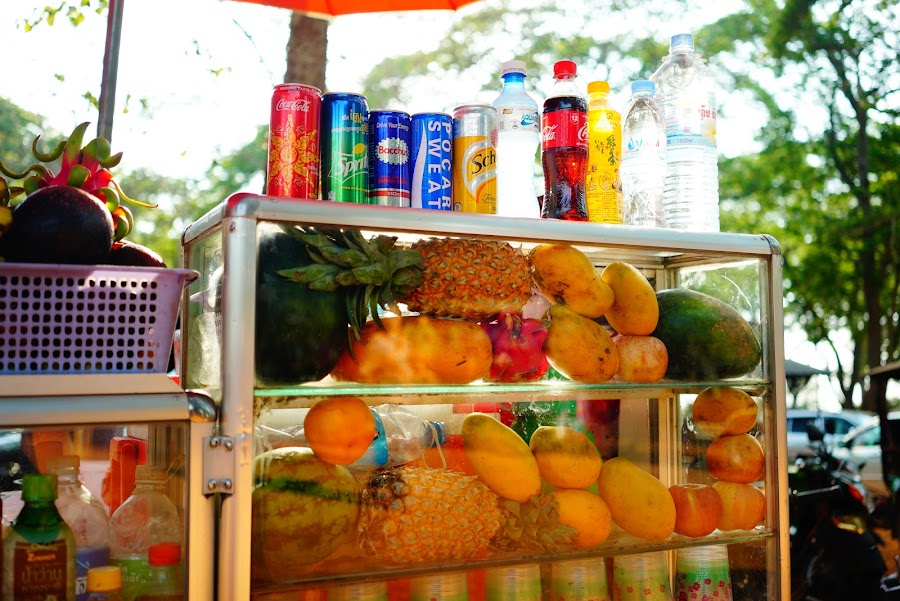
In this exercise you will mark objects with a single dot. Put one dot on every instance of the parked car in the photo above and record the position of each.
(835, 425)
(862, 446)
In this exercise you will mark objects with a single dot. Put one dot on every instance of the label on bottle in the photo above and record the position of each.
(564, 128)
(603, 185)
(688, 124)
(40, 571)
(511, 118)
(135, 572)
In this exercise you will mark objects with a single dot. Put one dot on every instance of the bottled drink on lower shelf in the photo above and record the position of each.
(104, 584)
(401, 436)
(146, 518)
(85, 515)
(39, 549)
(165, 580)
(643, 158)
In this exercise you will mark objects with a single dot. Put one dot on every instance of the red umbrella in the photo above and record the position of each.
(311, 7)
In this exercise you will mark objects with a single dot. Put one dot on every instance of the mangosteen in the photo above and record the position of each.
(135, 255)
(60, 224)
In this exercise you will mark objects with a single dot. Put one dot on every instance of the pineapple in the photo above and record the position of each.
(440, 277)
(416, 514)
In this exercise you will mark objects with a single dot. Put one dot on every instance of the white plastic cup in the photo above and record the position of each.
(359, 591)
(513, 583)
(641, 577)
(443, 586)
(703, 572)
(579, 580)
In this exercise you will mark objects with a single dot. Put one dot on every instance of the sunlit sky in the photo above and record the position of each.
(195, 78)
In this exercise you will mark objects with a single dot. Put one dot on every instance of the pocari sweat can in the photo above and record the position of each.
(432, 162)
(389, 158)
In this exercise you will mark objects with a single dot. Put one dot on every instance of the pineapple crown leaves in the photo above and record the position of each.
(86, 168)
(532, 525)
(373, 271)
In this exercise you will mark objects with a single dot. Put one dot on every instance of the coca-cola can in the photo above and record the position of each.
(294, 164)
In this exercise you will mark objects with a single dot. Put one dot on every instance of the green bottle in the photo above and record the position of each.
(39, 549)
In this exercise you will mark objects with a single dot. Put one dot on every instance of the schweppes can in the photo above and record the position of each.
(475, 158)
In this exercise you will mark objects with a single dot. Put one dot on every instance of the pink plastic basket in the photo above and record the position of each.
(73, 319)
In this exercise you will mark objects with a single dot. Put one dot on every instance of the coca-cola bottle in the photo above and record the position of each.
(564, 147)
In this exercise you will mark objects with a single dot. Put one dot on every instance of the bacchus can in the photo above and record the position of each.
(345, 155)
(389, 158)
(432, 161)
(475, 158)
(293, 165)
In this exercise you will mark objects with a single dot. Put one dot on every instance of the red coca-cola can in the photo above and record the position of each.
(293, 166)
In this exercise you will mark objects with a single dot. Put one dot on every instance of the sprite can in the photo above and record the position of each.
(344, 143)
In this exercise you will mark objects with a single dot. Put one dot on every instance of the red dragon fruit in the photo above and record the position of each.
(517, 345)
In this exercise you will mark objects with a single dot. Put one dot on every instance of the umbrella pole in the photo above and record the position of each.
(107, 101)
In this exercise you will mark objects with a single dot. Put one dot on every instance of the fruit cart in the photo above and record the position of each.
(423, 520)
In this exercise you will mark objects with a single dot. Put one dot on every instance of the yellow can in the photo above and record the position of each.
(475, 158)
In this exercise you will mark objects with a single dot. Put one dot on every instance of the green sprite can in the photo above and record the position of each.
(344, 144)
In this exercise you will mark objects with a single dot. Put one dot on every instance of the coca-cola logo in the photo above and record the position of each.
(300, 104)
(583, 133)
(548, 132)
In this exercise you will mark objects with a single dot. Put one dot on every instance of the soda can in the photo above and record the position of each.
(292, 170)
(389, 142)
(513, 583)
(345, 154)
(475, 158)
(442, 586)
(432, 161)
(579, 580)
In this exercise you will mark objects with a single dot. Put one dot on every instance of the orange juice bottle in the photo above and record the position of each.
(603, 186)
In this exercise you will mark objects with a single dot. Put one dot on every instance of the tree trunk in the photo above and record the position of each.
(306, 51)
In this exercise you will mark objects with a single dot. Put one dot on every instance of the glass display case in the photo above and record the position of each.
(474, 503)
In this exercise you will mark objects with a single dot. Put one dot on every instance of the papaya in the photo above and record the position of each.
(706, 339)
(300, 333)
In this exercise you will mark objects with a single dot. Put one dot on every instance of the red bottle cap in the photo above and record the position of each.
(564, 68)
(164, 554)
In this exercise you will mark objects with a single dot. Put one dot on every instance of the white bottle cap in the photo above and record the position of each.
(513, 67)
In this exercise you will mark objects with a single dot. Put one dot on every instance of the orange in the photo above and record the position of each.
(339, 429)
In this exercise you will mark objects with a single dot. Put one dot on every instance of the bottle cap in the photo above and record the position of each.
(39, 487)
(643, 85)
(441, 430)
(513, 67)
(681, 41)
(598, 87)
(63, 462)
(104, 579)
(164, 554)
(564, 68)
(150, 472)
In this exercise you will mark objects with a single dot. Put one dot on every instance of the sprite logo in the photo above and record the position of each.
(345, 166)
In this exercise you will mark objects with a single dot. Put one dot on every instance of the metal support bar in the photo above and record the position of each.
(107, 101)
(218, 465)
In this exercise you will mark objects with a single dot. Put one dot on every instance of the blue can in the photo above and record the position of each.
(389, 139)
(432, 163)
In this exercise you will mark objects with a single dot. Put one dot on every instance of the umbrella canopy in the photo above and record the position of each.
(335, 8)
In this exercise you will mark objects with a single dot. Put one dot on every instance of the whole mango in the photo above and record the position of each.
(635, 310)
(500, 458)
(566, 457)
(565, 275)
(638, 502)
(579, 348)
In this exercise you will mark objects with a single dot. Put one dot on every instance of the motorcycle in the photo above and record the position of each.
(834, 552)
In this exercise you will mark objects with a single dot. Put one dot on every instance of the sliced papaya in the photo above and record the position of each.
(706, 338)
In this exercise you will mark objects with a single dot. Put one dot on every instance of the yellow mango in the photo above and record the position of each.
(579, 348)
(585, 512)
(500, 458)
(638, 502)
(565, 275)
(634, 310)
(566, 458)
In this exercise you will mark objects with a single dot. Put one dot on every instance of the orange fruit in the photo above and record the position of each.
(339, 429)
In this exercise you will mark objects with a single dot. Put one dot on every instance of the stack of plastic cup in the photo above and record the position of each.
(513, 583)
(642, 577)
(703, 572)
(442, 586)
(579, 580)
(359, 591)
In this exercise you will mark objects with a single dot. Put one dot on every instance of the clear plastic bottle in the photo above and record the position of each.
(564, 147)
(603, 187)
(104, 584)
(166, 579)
(39, 549)
(518, 137)
(146, 518)
(401, 436)
(643, 158)
(686, 92)
(85, 515)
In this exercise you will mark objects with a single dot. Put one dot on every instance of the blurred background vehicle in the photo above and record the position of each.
(862, 446)
(835, 425)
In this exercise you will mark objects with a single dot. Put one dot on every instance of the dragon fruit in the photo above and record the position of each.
(517, 347)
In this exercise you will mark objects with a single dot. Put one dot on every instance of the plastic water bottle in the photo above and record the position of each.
(686, 92)
(401, 436)
(518, 137)
(166, 579)
(85, 515)
(146, 518)
(643, 158)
